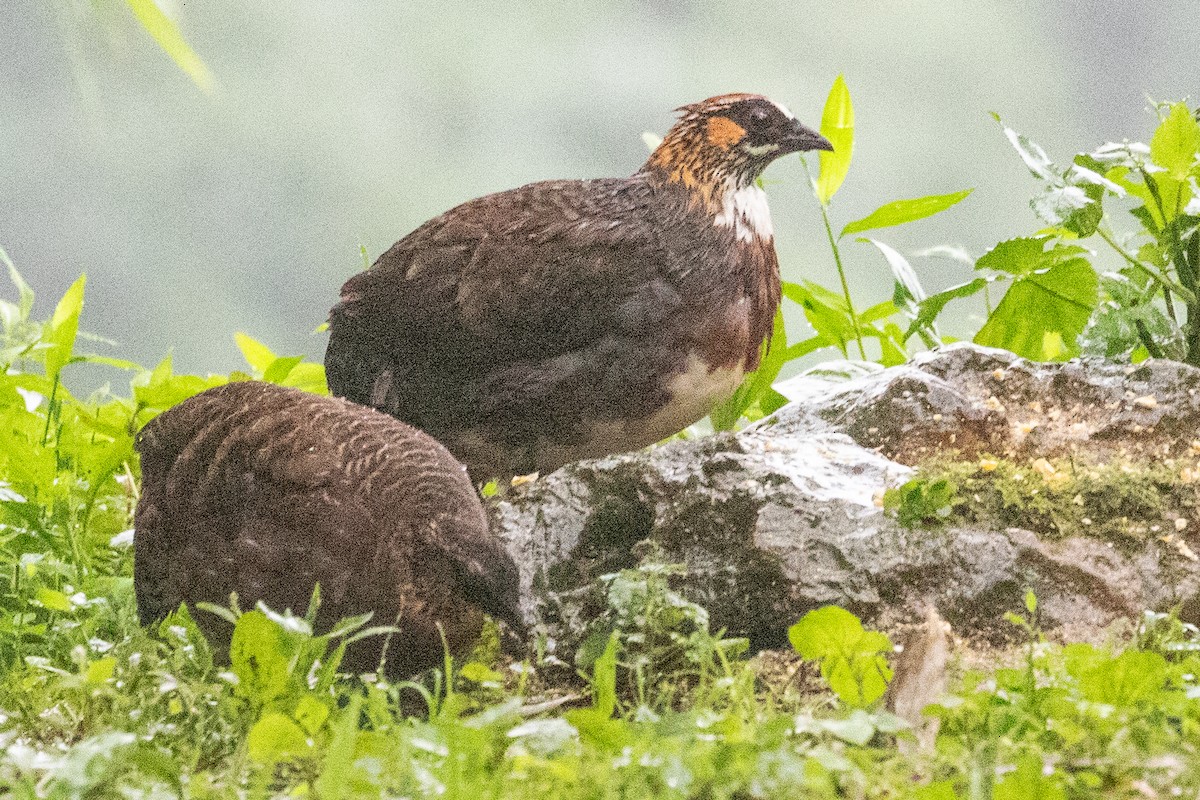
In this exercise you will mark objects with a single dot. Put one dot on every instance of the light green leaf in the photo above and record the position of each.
(53, 600)
(276, 737)
(311, 713)
(63, 328)
(281, 368)
(604, 678)
(100, 671)
(1176, 143)
(1043, 312)
(259, 656)
(257, 355)
(480, 673)
(898, 212)
(167, 34)
(837, 125)
(1025, 255)
(1028, 782)
(339, 756)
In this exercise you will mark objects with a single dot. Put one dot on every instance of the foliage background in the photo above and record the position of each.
(334, 125)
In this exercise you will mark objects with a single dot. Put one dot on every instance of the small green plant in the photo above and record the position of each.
(660, 640)
(922, 502)
(1060, 303)
(853, 660)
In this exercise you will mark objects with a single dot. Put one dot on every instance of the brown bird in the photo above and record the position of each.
(265, 491)
(575, 318)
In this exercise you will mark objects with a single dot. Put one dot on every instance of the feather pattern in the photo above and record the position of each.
(266, 491)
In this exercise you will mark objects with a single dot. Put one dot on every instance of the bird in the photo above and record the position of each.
(570, 319)
(266, 491)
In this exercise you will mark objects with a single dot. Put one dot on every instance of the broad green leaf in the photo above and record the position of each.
(825, 311)
(311, 713)
(1043, 312)
(1176, 144)
(308, 377)
(837, 125)
(63, 328)
(1125, 680)
(851, 657)
(1025, 255)
(259, 656)
(257, 355)
(899, 212)
(167, 34)
(276, 737)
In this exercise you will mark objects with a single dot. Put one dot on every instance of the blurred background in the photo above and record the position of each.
(334, 126)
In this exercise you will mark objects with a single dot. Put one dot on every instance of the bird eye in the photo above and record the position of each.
(759, 117)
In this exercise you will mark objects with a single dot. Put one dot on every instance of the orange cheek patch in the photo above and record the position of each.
(724, 132)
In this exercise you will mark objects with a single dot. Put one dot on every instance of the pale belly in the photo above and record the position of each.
(694, 393)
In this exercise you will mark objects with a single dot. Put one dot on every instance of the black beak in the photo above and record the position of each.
(800, 138)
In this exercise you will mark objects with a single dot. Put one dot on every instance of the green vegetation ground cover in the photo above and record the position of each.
(92, 705)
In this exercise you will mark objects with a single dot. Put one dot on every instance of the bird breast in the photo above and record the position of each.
(745, 210)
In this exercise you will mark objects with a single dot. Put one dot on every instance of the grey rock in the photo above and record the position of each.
(783, 517)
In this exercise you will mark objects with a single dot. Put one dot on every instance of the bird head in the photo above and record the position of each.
(727, 141)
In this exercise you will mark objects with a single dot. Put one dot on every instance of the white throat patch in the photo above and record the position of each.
(745, 210)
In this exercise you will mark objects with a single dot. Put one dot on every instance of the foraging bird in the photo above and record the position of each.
(266, 491)
(574, 318)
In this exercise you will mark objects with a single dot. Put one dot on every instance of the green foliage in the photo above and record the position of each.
(922, 502)
(852, 659)
(652, 645)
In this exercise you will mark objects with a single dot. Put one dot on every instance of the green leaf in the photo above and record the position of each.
(604, 678)
(1025, 255)
(825, 310)
(63, 328)
(167, 34)
(54, 600)
(1045, 310)
(837, 125)
(1132, 677)
(311, 713)
(257, 355)
(929, 308)
(276, 737)
(339, 755)
(100, 671)
(851, 657)
(899, 212)
(1028, 782)
(1176, 143)
(259, 655)
(480, 673)
(281, 368)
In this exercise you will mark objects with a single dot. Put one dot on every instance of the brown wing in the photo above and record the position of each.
(510, 305)
(265, 491)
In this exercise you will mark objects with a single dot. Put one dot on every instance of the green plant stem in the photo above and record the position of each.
(1162, 278)
(837, 259)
